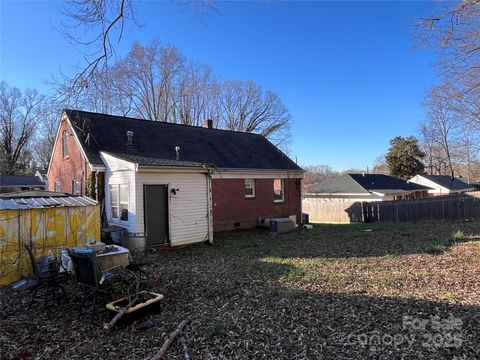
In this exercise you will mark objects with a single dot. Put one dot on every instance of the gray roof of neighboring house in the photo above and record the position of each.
(448, 182)
(21, 181)
(343, 184)
(154, 144)
(363, 184)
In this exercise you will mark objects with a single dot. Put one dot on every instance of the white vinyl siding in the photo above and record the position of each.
(187, 208)
(120, 172)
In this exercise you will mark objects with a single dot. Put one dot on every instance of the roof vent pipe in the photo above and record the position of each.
(177, 150)
(129, 137)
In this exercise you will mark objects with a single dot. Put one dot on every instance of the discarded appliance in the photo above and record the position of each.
(113, 256)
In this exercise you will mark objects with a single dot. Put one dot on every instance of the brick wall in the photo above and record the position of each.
(64, 170)
(232, 210)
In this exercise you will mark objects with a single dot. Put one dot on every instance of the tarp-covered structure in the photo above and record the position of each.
(47, 222)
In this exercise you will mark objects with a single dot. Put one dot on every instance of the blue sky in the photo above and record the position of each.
(347, 71)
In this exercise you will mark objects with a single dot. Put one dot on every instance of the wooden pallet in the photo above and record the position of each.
(116, 308)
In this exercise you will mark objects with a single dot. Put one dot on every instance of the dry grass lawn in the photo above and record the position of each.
(367, 291)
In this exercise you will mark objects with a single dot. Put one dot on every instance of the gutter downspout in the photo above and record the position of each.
(209, 203)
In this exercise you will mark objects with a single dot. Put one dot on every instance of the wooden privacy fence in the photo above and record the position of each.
(338, 213)
(453, 207)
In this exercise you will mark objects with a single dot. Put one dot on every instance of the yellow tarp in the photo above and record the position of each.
(47, 231)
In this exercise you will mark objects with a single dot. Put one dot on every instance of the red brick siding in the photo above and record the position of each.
(72, 168)
(232, 210)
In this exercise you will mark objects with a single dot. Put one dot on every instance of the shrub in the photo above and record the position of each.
(459, 236)
(437, 248)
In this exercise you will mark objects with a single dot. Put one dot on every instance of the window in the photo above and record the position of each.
(119, 201)
(249, 188)
(57, 187)
(114, 200)
(124, 202)
(75, 187)
(278, 190)
(65, 144)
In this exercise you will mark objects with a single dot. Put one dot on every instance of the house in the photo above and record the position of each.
(442, 184)
(20, 183)
(42, 175)
(170, 183)
(363, 187)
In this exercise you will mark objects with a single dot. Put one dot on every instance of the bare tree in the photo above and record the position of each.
(246, 107)
(19, 118)
(317, 173)
(455, 34)
(146, 78)
(469, 145)
(49, 112)
(156, 82)
(196, 96)
(96, 26)
(380, 166)
(443, 125)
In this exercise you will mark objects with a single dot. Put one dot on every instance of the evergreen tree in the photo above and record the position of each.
(404, 158)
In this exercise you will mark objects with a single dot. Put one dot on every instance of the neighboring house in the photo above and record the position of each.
(170, 183)
(20, 183)
(363, 187)
(442, 184)
(42, 175)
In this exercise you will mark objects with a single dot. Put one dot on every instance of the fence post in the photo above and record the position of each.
(443, 208)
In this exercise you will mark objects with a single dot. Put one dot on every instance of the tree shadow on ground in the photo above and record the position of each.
(243, 306)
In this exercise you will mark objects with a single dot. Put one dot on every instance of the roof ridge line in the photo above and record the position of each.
(164, 122)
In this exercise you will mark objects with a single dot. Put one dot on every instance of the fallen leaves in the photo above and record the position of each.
(315, 294)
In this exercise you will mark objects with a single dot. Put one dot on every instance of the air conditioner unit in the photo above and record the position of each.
(282, 225)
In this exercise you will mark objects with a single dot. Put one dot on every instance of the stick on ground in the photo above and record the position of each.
(186, 353)
(169, 340)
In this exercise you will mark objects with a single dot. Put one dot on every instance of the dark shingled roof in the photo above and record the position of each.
(155, 142)
(21, 181)
(384, 182)
(363, 184)
(449, 183)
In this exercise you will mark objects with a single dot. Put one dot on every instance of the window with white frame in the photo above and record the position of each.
(278, 190)
(57, 187)
(119, 201)
(249, 188)
(123, 202)
(65, 144)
